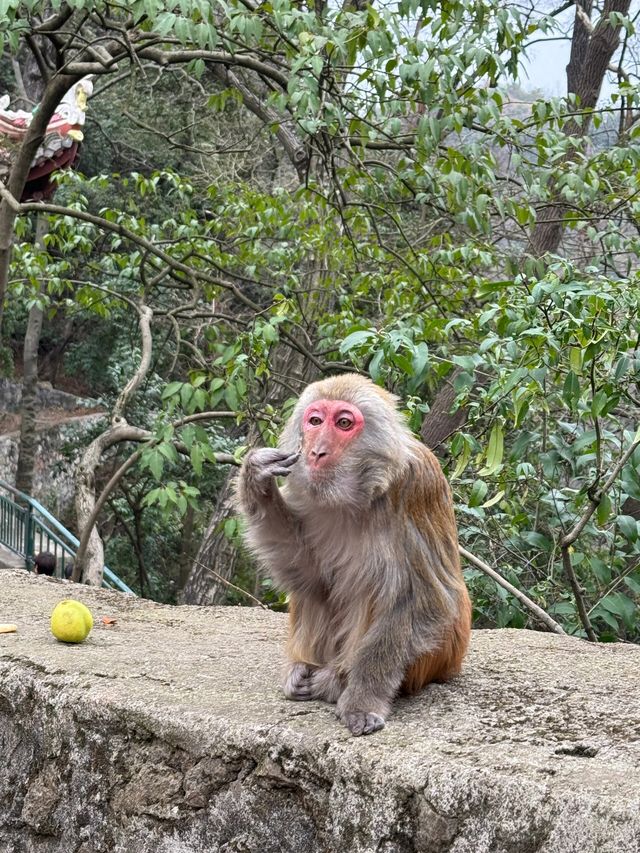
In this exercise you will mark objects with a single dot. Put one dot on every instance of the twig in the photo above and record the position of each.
(231, 585)
(594, 502)
(537, 611)
(567, 565)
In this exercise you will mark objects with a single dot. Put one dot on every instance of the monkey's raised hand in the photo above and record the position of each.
(261, 466)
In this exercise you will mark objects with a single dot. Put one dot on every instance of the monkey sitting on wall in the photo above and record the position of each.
(363, 538)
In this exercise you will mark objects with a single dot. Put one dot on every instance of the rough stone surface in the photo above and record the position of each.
(11, 394)
(166, 733)
(10, 560)
(53, 483)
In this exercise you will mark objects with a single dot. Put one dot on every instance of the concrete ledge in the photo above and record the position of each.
(166, 733)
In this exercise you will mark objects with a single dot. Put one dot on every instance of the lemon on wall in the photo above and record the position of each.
(71, 621)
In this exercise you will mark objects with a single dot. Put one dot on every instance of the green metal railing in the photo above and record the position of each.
(27, 528)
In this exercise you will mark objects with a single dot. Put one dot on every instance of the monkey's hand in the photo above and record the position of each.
(356, 715)
(261, 466)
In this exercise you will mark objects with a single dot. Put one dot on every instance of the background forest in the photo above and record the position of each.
(269, 192)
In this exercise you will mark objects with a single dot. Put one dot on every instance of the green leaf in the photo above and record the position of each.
(356, 339)
(197, 458)
(231, 396)
(155, 463)
(620, 605)
(478, 493)
(599, 403)
(575, 359)
(571, 389)
(537, 540)
(495, 451)
(230, 527)
(462, 461)
(375, 365)
(604, 510)
(494, 500)
(628, 526)
(171, 389)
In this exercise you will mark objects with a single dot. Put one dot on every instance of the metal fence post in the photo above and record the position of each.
(28, 538)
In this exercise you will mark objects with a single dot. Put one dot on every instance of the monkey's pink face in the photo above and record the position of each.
(329, 426)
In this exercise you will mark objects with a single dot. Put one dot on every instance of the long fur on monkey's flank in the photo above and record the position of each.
(363, 538)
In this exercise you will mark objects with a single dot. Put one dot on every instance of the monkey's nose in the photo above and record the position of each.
(318, 454)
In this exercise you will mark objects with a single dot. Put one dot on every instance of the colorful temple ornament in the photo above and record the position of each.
(59, 148)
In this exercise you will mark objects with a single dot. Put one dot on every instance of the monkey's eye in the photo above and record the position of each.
(315, 420)
(344, 422)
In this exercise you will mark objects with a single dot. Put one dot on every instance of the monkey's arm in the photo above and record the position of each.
(272, 528)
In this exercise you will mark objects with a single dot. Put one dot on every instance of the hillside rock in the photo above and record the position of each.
(166, 733)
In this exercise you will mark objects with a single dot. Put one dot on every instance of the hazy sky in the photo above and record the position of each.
(546, 67)
(547, 61)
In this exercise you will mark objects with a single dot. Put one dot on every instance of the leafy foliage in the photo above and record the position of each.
(378, 214)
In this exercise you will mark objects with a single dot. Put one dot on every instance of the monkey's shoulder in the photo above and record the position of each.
(421, 485)
(424, 472)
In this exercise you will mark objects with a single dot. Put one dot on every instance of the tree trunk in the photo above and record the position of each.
(216, 552)
(592, 49)
(88, 566)
(187, 548)
(28, 402)
(440, 422)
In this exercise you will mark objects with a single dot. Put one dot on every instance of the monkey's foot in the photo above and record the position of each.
(351, 711)
(297, 682)
(361, 723)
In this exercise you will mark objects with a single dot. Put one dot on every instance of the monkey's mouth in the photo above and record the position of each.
(321, 472)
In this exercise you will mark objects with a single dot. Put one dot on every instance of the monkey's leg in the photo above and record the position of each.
(326, 684)
(377, 670)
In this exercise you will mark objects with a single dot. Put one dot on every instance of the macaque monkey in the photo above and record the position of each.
(363, 538)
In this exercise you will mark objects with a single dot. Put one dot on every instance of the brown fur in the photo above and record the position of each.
(444, 664)
(430, 506)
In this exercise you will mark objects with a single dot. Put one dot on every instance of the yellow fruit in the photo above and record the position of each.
(71, 621)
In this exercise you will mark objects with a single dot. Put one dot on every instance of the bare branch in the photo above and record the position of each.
(228, 583)
(537, 611)
(145, 315)
(91, 459)
(567, 541)
(594, 502)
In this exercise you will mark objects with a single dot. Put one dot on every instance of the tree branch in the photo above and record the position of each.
(145, 315)
(537, 611)
(567, 541)
(114, 435)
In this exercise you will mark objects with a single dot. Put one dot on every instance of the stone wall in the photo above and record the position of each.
(58, 439)
(167, 733)
(46, 397)
(55, 462)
